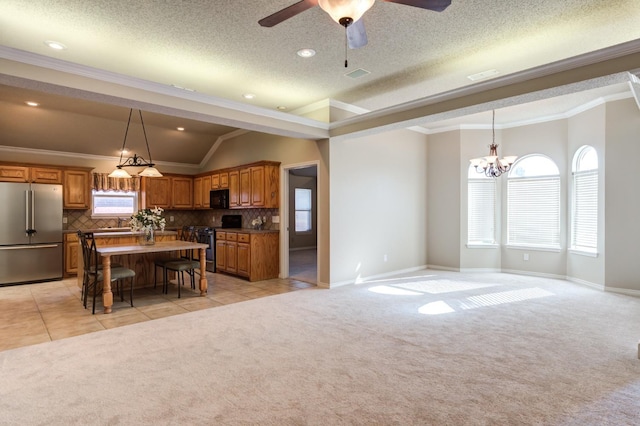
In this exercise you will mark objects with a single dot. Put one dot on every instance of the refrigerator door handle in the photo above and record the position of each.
(26, 211)
(33, 212)
(29, 247)
(29, 221)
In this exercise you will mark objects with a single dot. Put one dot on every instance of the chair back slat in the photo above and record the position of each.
(89, 252)
(188, 234)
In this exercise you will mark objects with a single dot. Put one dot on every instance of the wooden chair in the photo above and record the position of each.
(93, 272)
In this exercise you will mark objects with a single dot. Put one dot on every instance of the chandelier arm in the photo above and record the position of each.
(150, 162)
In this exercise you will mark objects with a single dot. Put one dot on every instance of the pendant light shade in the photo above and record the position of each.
(338, 9)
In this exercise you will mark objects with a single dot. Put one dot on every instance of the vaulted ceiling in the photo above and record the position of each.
(189, 63)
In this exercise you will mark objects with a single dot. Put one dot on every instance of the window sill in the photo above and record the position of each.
(482, 246)
(583, 253)
(535, 248)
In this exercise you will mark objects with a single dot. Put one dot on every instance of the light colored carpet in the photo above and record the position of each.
(436, 349)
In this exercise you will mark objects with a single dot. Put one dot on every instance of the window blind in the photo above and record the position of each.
(481, 216)
(533, 211)
(584, 218)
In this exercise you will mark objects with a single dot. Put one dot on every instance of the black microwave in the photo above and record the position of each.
(219, 199)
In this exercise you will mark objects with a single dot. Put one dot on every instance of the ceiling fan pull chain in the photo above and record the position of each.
(346, 47)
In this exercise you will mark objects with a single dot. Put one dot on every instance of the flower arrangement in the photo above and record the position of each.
(259, 222)
(147, 219)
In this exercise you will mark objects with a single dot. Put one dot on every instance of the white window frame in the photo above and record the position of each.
(584, 204)
(533, 207)
(129, 194)
(308, 211)
(482, 197)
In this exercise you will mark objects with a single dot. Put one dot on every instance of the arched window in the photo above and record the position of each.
(533, 203)
(584, 200)
(481, 208)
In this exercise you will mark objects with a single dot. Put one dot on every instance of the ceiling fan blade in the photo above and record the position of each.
(435, 5)
(357, 35)
(287, 12)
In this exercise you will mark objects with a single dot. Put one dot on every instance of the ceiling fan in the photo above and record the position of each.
(347, 13)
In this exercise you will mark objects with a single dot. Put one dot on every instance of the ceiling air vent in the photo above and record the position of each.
(357, 73)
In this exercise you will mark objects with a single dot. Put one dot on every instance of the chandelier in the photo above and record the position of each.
(135, 161)
(491, 165)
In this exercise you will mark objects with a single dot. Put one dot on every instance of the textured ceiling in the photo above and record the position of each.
(217, 49)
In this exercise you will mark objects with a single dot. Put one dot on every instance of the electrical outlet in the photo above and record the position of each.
(525, 256)
(384, 258)
(64, 219)
(275, 219)
(170, 218)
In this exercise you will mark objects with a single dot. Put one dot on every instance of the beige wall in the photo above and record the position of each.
(622, 195)
(443, 217)
(378, 205)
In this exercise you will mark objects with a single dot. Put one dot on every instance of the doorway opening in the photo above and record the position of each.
(302, 223)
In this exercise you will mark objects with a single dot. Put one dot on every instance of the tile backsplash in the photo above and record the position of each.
(81, 219)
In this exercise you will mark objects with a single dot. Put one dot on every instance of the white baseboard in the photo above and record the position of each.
(363, 280)
(443, 268)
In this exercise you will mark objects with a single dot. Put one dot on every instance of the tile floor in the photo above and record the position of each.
(36, 313)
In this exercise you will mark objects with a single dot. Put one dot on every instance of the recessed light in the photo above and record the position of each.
(248, 96)
(306, 53)
(31, 103)
(55, 45)
(482, 75)
(282, 108)
(180, 129)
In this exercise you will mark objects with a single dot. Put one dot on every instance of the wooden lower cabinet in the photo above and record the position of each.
(71, 254)
(251, 255)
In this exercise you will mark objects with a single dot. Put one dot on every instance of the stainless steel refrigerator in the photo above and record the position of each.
(30, 232)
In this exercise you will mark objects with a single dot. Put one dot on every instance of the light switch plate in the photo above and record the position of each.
(275, 219)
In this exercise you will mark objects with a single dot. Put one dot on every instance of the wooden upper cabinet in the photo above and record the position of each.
(11, 173)
(245, 187)
(224, 180)
(201, 190)
(157, 192)
(182, 192)
(197, 192)
(234, 189)
(215, 181)
(257, 186)
(46, 175)
(76, 189)
(14, 174)
(206, 191)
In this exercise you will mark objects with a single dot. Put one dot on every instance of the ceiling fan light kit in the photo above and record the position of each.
(339, 9)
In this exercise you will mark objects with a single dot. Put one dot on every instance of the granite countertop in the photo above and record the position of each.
(248, 230)
(115, 231)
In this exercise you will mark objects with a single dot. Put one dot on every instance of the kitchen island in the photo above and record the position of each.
(141, 263)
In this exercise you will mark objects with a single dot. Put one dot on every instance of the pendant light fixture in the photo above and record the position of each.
(491, 165)
(135, 161)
